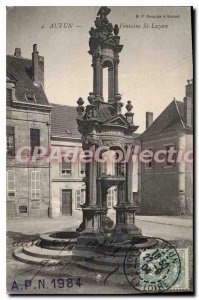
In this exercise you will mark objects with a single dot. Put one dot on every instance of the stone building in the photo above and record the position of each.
(28, 125)
(166, 188)
(68, 189)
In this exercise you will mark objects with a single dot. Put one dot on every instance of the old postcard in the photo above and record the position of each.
(99, 126)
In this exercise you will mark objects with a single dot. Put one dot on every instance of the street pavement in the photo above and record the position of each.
(166, 227)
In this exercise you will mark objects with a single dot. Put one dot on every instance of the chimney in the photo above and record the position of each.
(17, 52)
(188, 117)
(189, 89)
(35, 65)
(188, 103)
(149, 119)
(41, 70)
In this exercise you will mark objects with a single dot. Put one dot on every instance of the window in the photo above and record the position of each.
(83, 168)
(34, 139)
(30, 97)
(111, 197)
(103, 168)
(80, 197)
(169, 158)
(10, 134)
(66, 166)
(11, 183)
(8, 96)
(149, 158)
(23, 209)
(35, 185)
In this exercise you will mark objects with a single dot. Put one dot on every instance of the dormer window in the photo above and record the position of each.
(30, 97)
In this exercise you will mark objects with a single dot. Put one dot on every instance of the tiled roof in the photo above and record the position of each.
(64, 124)
(21, 70)
(172, 118)
(63, 121)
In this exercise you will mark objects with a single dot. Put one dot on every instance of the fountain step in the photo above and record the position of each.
(36, 255)
(37, 251)
(92, 266)
(99, 273)
(23, 257)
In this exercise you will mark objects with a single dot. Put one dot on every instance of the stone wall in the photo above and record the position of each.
(23, 120)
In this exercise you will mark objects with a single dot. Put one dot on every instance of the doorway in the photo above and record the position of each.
(66, 207)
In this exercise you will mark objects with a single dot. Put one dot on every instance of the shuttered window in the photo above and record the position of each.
(79, 198)
(11, 183)
(111, 197)
(10, 135)
(35, 185)
(34, 139)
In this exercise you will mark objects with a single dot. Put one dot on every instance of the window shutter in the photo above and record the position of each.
(78, 199)
(35, 185)
(109, 199)
(10, 133)
(83, 196)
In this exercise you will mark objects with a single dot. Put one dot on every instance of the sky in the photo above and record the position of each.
(155, 63)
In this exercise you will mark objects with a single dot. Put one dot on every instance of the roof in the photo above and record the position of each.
(172, 118)
(63, 121)
(64, 124)
(20, 69)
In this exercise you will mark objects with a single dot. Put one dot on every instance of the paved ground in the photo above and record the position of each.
(27, 229)
(166, 227)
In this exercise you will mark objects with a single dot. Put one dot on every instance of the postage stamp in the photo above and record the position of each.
(158, 268)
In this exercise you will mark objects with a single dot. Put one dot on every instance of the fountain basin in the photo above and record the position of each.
(58, 239)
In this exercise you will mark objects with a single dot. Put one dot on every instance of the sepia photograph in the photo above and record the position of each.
(99, 150)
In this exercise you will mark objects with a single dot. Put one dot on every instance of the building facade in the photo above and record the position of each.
(166, 188)
(28, 126)
(68, 188)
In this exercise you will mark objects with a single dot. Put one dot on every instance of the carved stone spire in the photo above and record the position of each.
(104, 32)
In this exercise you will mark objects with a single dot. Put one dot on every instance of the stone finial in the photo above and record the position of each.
(80, 101)
(80, 107)
(118, 97)
(129, 114)
(129, 106)
(102, 33)
(103, 12)
(91, 98)
(116, 29)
